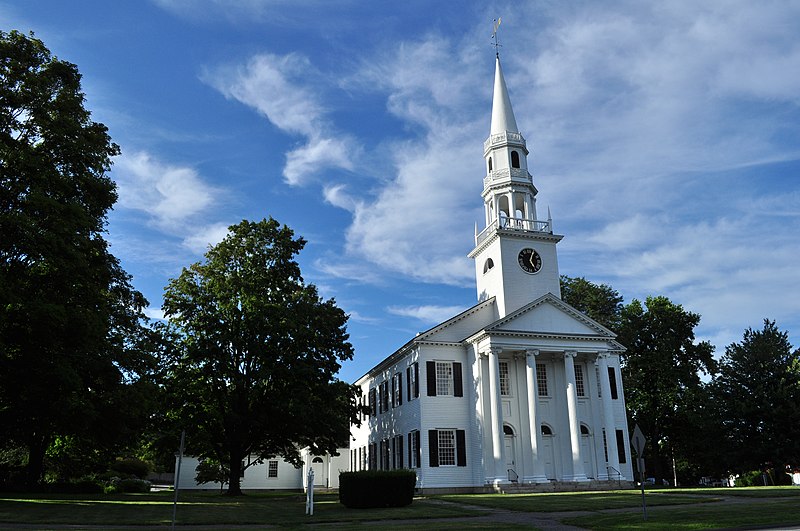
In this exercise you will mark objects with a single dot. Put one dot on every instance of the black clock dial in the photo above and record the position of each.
(529, 260)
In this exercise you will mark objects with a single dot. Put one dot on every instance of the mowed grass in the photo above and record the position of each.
(776, 513)
(576, 501)
(667, 509)
(198, 508)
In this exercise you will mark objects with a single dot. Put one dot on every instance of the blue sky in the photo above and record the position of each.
(665, 139)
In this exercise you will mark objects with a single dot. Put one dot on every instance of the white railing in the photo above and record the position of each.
(505, 136)
(514, 174)
(525, 225)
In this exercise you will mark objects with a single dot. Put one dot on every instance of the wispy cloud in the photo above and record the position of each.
(279, 88)
(429, 314)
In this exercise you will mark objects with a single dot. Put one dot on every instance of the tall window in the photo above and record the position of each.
(580, 386)
(621, 447)
(447, 447)
(413, 449)
(397, 389)
(505, 382)
(385, 455)
(272, 469)
(373, 456)
(541, 379)
(514, 159)
(444, 378)
(373, 402)
(412, 381)
(397, 447)
(384, 396)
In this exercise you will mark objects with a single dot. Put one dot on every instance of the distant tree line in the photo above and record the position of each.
(738, 414)
(90, 388)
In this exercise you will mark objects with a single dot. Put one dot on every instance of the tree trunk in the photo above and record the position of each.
(35, 469)
(234, 480)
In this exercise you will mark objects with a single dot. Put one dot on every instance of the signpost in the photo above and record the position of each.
(310, 492)
(638, 442)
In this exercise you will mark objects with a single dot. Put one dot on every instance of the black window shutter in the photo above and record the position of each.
(416, 380)
(408, 383)
(419, 450)
(410, 445)
(393, 464)
(393, 399)
(399, 451)
(458, 382)
(461, 448)
(373, 404)
(621, 447)
(400, 389)
(612, 380)
(433, 447)
(430, 367)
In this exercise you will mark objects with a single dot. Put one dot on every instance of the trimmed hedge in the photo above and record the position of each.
(377, 488)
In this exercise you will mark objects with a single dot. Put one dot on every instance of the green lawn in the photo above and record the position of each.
(774, 513)
(201, 508)
(576, 501)
(667, 508)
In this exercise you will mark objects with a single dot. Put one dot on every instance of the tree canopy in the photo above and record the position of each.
(758, 396)
(252, 374)
(661, 369)
(70, 322)
(601, 302)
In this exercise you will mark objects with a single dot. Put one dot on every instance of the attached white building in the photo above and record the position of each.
(274, 474)
(521, 388)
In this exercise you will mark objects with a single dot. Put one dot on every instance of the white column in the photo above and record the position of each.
(537, 467)
(498, 446)
(578, 473)
(613, 470)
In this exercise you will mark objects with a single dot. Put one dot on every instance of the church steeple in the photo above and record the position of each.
(515, 254)
(502, 114)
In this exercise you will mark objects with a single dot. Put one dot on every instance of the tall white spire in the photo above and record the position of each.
(502, 114)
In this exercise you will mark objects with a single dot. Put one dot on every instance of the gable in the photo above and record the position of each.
(552, 316)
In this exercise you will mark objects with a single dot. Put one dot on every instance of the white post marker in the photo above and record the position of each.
(310, 492)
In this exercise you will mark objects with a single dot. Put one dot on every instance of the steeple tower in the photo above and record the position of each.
(515, 254)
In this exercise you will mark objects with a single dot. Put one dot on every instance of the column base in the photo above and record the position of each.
(580, 478)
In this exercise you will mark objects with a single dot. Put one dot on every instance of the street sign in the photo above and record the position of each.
(638, 441)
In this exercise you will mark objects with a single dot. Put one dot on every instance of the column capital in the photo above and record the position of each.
(494, 350)
(570, 353)
(532, 352)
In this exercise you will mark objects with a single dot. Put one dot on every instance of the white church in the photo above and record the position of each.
(520, 389)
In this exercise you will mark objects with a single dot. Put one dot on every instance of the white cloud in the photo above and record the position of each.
(279, 87)
(205, 236)
(168, 194)
(429, 314)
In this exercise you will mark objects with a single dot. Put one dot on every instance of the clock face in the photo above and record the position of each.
(529, 260)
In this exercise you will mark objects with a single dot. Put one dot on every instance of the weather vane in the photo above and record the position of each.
(496, 40)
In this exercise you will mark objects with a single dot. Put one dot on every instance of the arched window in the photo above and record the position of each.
(508, 430)
(488, 265)
(546, 430)
(316, 460)
(490, 163)
(584, 429)
(514, 159)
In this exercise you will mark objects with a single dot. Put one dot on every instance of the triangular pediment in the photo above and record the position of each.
(551, 316)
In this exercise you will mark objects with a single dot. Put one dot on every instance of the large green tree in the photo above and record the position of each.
(758, 394)
(662, 369)
(601, 302)
(253, 374)
(70, 322)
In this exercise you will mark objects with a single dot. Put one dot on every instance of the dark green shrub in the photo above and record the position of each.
(128, 485)
(377, 488)
(131, 467)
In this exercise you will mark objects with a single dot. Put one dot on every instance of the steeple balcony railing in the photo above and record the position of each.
(502, 138)
(514, 175)
(513, 224)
